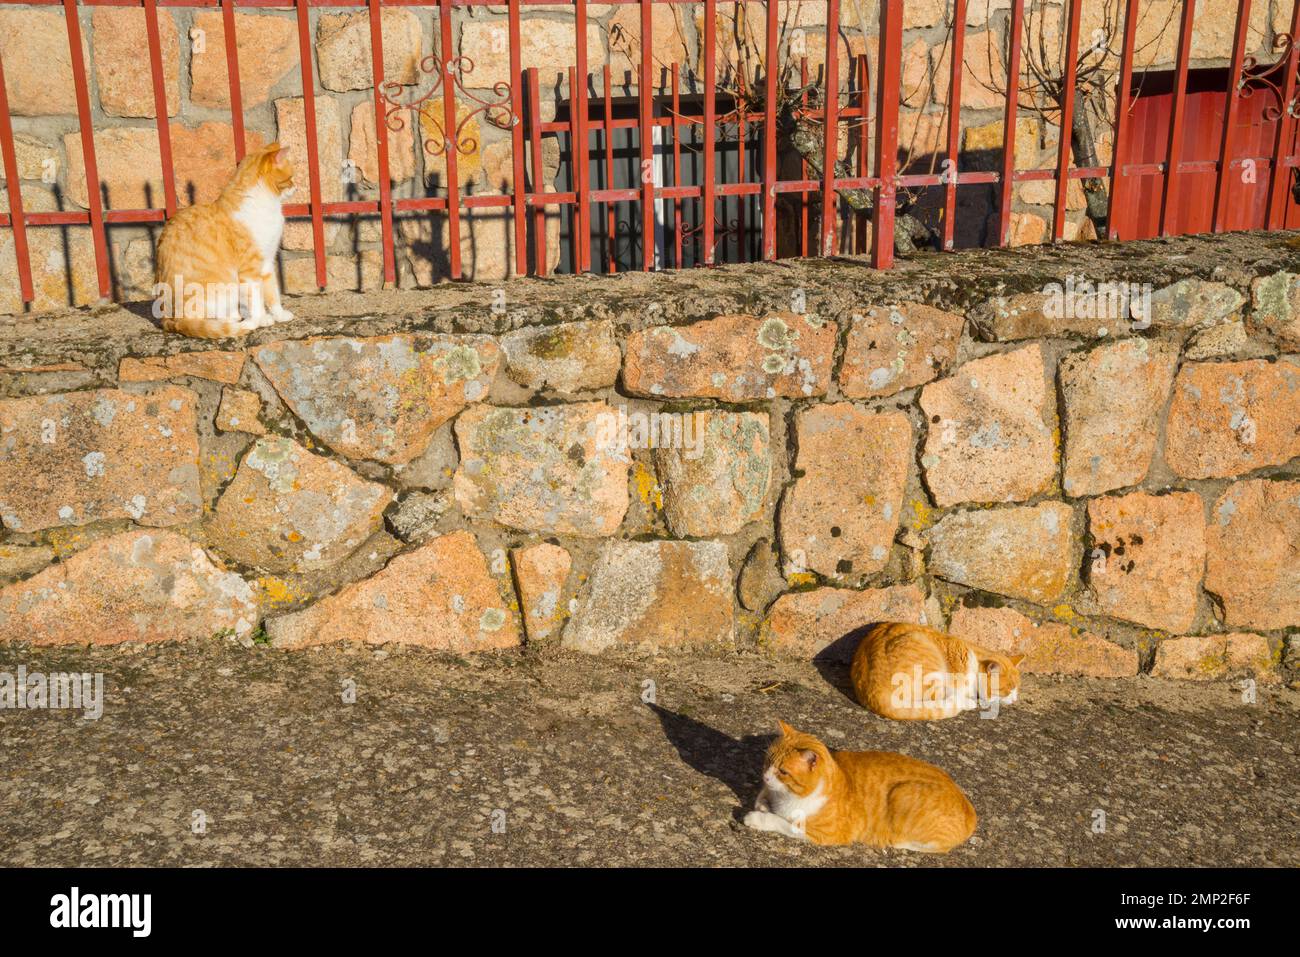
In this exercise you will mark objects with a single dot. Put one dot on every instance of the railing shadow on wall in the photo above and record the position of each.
(722, 159)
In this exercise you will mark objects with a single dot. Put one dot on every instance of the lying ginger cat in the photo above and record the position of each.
(868, 797)
(914, 673)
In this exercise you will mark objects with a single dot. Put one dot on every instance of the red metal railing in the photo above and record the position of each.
(517, 102)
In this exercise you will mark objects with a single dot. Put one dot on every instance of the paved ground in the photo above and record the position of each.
(564, 758)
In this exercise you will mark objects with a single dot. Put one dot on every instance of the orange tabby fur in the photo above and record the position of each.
(890, 654)
(232, 240)
(867, 797)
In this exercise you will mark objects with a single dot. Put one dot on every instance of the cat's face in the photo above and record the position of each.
(795, 762)
(1000, 675)
(275, 171)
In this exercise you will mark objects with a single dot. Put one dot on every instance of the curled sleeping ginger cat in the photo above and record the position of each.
(914, 673)
(865, 797)
(216, 261)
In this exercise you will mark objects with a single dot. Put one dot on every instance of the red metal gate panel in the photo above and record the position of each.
(1247, 182)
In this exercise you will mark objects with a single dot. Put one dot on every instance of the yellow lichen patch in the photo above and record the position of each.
(1064, 612)
(801, 579)
(1213, 664)
(922, 515)
(647, 487)
(65, 541)
(277, 591)
(1150, 639)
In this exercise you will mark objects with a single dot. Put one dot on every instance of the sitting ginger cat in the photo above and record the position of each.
(216, 261)
(868, 797)
(914, 673)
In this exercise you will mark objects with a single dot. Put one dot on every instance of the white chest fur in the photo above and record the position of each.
(783, 802)
(261, 214)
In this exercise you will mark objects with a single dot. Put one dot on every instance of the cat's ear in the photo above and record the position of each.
(1016, 659)
(785, 728)
(269, 154)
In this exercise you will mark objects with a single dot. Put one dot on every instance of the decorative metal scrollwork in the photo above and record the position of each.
(497, 112)
(1270, 78)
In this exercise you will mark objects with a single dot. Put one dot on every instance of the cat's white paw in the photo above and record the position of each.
(757, 820)
(281, 314)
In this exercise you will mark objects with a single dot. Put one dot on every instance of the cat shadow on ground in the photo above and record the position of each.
(833, 661)
(736, 762)
(144, 309)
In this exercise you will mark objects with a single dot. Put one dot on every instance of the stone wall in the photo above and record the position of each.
(38, 69)
(465, 468)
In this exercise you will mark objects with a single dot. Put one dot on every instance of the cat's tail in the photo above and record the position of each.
(204, 328)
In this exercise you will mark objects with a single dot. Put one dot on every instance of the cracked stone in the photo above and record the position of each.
(80, 457)
(439, 596)
(1253, 563)
(892, 348)
(1148, 557)
(1276, 312)
(821, 623)
(1228, 418)
(557, 469)
(383, 397)
(291, 510)
(1051, 648)
(647, 596)
(135, 586)
(1113, 397)
(989, 430)
(840, 516)
(733, 358)
(418, 514)
(720, 483)
(568, 357)
(1023, 552)
(1210, 657)
(541, 572)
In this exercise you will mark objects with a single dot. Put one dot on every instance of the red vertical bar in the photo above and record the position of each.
(381, 143)
(232, 73)
(1016, 37)
(611, 214)
(1122, 119)
(1278, 173)
(517, 139)
(1223, 188)
(710, 122)
(803, 164)
(1067, 120)
(539, 210)
(890, 60)
(954, 123)
(313, 155)
(1174, 154)
(741, 176)
(450, 139)
(771, 69)
(581, 151)
(579, 219)
(830, 129)
(677, 165)
(645, 101)
(160, 104)
(864, 91)
(16, 221)
(88, 149)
